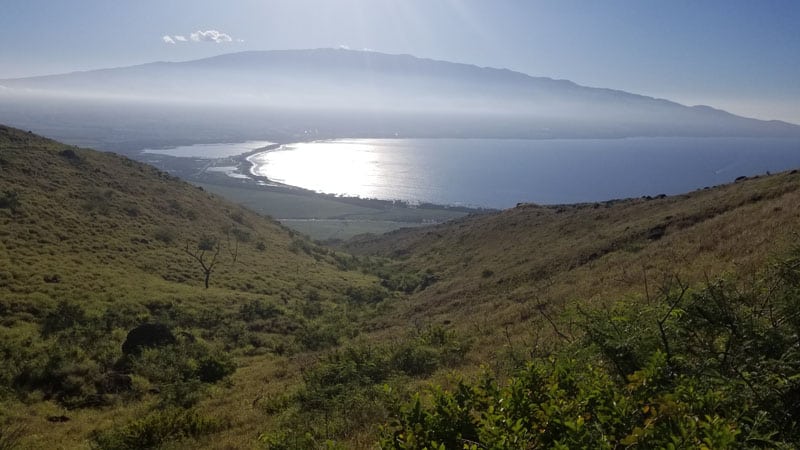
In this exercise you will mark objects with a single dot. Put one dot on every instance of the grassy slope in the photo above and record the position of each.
(95, 220)
(113, 232)
(497, 273)
(500, 272)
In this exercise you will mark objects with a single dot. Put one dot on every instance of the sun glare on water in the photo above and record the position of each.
(343, 167)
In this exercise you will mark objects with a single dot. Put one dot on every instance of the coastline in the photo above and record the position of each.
(245, 166)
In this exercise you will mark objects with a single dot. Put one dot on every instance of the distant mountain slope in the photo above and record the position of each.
(342, 92)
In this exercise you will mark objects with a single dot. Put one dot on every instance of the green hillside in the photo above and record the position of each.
(601, 325)
(93, 244)
(496, 268)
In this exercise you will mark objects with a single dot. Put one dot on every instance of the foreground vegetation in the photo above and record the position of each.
(715, 367)
(644, 322)
(94, 245)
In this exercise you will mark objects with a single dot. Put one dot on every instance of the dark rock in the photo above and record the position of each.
(147, 335)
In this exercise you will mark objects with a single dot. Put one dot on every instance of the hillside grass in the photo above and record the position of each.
(500, 273)
(93, 244)
(296, 344)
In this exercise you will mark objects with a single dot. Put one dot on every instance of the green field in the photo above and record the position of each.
(332, 219)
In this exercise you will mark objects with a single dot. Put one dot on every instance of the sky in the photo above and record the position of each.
(739, 55)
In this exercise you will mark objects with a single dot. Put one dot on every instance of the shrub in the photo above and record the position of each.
(433, 348)
(344, 371)
(63, 373)
(70, 155)
(182, 362)
(317, 336)
(157, 428)
(407, 282)
(206, 243)
(10, 200)
(212, 368)
(717, 367)
(258, 309)
(165, 235)
(366, 294)
(66, 315)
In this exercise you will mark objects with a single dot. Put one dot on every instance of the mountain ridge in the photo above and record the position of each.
(374, 94)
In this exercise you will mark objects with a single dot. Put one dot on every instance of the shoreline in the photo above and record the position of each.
(245, 166)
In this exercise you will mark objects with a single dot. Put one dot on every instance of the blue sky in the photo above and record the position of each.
(743, 56)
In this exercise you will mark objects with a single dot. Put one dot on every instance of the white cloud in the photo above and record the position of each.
(344, 47)
(210, 36)
(201, 36)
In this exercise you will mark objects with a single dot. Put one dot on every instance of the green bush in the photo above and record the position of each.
(71, 362)
(181, 371)
(399, 280)
(717, 367)
(366, 294)
(10, 200)
(184, 361)
(66, 315)
(344, 371)
(433, 348)
(165, 234)
(351, 388)
(157, 428)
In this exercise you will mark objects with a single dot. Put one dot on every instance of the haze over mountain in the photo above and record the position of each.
(336, 92)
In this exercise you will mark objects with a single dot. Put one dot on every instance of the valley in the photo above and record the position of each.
(294, 344)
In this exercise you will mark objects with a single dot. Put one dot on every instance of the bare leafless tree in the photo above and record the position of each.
(199, 255)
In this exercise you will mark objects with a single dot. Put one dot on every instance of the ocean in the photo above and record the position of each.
(500, 173)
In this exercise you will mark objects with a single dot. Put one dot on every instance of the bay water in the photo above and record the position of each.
(500, 173)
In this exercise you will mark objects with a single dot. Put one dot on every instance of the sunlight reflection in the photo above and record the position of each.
(343, 167)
